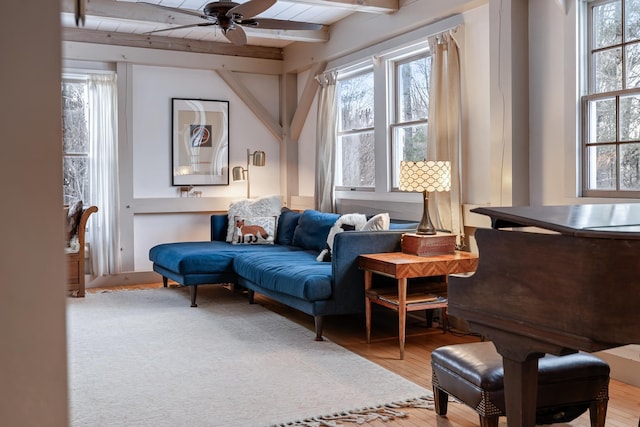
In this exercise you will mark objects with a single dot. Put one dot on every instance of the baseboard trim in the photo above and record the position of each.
(124, 279)
(624, 363)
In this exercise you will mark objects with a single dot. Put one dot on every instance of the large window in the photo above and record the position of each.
(611, 110)
(75, 140)
(90, 154)
(355, 158)
(387, 99)
(411, 102)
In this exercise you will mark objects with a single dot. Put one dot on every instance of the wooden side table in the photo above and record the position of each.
(401, 267)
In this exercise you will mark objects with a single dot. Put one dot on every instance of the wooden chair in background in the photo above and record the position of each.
(75, 259)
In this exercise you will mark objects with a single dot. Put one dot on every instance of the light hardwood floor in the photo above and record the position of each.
(349, 332)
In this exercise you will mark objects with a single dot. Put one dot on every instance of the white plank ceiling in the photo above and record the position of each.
(130, 21)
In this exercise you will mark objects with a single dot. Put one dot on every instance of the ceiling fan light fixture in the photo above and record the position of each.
(229, 15)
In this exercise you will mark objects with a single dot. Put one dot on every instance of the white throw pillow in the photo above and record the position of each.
(378, 223)
(353, 221)
(247, 208)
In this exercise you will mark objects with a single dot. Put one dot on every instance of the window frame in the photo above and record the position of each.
(342, 76)
(395, 121)
(80, 79)
(386, 111)
(591, 95)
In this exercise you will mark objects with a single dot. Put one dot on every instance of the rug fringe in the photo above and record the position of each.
(386, 412)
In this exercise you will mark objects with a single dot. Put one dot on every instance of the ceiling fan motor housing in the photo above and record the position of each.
(218, 9)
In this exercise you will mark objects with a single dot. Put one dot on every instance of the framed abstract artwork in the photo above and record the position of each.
(200, 142)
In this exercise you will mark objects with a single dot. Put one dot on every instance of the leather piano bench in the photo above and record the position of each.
(567, 385)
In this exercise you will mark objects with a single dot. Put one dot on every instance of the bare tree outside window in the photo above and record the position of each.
(611, 163)
(409, 129)
(401, 80)
(355, 153)
(75, 141)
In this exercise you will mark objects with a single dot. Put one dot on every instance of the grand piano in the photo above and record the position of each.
(551, 279)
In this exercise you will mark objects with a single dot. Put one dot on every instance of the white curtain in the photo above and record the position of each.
(103, 175)
(325, 143)
(445, 129)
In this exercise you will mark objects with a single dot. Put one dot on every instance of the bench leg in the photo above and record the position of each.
(441, 400)
(193, 293)
(165, 281)
(489, 421)
(251, 294)
(598, 413)
(318, 320)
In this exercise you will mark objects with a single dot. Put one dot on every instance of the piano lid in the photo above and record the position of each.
(609, 221)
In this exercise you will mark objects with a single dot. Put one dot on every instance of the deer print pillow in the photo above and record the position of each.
(259, 230)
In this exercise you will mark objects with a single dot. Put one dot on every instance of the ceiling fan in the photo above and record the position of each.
(231, 17)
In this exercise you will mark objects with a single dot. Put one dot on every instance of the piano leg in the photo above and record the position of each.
(520, 391)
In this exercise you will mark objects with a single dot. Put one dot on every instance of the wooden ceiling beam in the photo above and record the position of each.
(252, 102)
(169, 43)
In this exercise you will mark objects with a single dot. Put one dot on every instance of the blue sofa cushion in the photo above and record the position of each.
(313, 229)
(294, 273)
(219, 227)
(205, 257)
(287, 224)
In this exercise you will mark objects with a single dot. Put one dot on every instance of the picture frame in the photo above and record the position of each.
(200, 142)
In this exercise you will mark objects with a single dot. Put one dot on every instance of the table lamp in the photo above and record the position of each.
(257, 158)
(426, 176)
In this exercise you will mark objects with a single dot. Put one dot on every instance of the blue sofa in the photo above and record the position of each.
(286, 271)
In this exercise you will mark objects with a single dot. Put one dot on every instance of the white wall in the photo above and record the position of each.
(554, 103)
(307, 147)
(153, 88)
(152, 210)
(474, 64)
(33, 368)
(474, 53)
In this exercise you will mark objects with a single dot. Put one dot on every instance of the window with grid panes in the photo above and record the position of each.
(75, 139)
(355, 144)
(409, 122)
(611, 108)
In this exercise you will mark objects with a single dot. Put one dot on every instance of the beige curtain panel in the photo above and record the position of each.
(445, 129)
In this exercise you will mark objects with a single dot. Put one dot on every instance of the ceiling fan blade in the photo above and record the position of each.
(281, 24)
(181, 27)
(177, 10)
(251, 8)
(236, 35)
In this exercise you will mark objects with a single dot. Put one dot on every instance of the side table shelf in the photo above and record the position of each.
(416, 299)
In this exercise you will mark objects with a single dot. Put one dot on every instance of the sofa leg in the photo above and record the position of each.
(318, 320)
(251, 294)
(193, 293)
(165, 281)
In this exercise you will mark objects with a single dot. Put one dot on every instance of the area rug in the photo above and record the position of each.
(145, 358)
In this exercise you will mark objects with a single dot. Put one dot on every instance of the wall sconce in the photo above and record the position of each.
(257, 158)
(425, 176)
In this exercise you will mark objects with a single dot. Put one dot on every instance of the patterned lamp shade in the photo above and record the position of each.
(426, 176)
